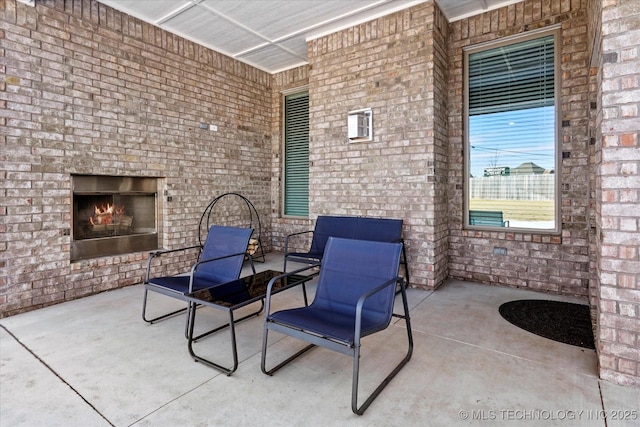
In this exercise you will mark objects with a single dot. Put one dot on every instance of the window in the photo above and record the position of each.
(296, 154)
(511, 112)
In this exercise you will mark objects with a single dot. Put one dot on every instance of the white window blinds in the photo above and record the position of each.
(513, 77)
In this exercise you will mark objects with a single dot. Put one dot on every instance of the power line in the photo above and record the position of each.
(496, 150)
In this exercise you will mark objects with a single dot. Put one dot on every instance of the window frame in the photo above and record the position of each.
(554, 30)
(283, 166)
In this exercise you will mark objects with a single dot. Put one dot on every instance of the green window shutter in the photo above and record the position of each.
(296, 154)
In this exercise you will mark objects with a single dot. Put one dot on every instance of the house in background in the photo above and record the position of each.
(91, 91)
(527, 168)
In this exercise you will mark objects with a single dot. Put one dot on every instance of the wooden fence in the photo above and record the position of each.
(513, 187)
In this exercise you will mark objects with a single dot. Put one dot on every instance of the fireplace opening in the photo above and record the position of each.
(113, 215)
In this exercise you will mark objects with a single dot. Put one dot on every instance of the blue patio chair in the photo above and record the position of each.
(347, 227)
(354, 298)
(220, 261)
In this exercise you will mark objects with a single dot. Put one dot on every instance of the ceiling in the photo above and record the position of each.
(272, 34)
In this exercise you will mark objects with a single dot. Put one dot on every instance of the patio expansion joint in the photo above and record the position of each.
(46, 365)
(515, 356)
(604, 411)
(180, 396)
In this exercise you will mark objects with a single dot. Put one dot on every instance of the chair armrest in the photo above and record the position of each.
(159, 253)
(269, 292)
(286, 240)
(364, 297)
(167, 251)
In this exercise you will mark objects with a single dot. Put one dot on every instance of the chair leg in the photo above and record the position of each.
(144, 306)
(387, 380)
(189, 314)
(263, 361)
(155, 319)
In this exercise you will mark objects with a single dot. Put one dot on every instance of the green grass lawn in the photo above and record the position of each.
(517, 210)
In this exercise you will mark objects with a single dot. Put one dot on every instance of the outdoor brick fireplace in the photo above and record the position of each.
(113, 215)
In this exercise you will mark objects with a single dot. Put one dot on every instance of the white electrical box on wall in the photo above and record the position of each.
(360, 125)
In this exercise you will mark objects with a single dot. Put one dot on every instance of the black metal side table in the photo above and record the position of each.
(236, 294)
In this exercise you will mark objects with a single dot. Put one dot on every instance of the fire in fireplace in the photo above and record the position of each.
(106, 215)
(113, 215)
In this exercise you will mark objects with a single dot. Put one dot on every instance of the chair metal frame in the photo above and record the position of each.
(189, 279)
(347, 347)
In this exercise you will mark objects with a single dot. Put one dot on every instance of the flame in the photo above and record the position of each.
(106, 214)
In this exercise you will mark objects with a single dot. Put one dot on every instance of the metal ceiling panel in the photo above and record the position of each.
(272, 35)
(294, 46)
(199, 23)
(277, 19)
(152, 12)
(273, 58)
(455, 10)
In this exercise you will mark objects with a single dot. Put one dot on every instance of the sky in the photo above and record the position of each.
(511, 138)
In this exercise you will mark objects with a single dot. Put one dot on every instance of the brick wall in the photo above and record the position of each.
(386, 64)
(594, 24)
(89, 90)
(438, 106)
(618, 195)
(553, 263)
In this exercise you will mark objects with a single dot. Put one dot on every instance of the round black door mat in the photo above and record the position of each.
(559, 321)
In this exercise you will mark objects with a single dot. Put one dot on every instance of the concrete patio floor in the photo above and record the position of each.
(94, 362)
